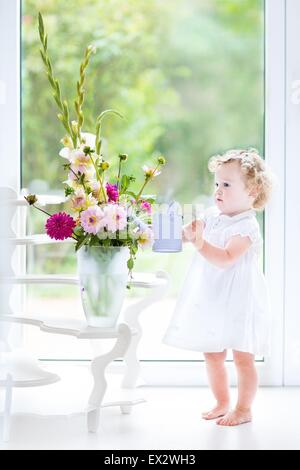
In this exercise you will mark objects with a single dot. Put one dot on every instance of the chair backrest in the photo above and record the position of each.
(13, 213)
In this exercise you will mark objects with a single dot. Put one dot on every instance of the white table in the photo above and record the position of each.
(127, 337)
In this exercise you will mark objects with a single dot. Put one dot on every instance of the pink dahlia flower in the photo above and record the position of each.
(93, 219)
(60, 226)
(112, 192)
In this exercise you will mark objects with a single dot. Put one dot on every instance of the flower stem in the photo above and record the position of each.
(98, 178)
(98, 126)
(42, 210)
(74, 174)
(63, 116)
(119, 173)
(80, 89)
(146, 182)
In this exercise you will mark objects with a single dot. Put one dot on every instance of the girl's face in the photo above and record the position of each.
(231, 194)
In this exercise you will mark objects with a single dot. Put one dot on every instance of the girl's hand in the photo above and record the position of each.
(193, 232)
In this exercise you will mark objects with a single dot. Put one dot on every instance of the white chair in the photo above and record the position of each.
(17, 367)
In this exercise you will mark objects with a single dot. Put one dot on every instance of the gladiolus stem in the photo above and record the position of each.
(98, 178)
(119, 173)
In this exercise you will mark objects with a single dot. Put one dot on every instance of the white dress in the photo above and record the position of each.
(220, 308)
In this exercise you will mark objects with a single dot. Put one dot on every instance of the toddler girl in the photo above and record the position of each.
(224, 300)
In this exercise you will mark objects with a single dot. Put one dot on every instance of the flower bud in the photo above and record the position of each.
(91, 48)
(161, 160)
(67, 142)
(31, 199)
(123, 157)
(87, 150)
(104, 165)
(74, 125)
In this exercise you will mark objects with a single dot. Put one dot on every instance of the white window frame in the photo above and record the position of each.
(281, 230)
(10, 130)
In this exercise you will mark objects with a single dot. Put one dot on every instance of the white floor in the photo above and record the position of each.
(53, 417)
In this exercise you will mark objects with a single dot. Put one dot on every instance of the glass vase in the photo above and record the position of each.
(103, 276)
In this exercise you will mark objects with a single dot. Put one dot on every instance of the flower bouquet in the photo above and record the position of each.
(106, 219)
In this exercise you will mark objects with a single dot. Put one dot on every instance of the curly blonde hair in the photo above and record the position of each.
(256, 173)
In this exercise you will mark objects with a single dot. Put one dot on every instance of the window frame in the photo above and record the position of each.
(271, 370)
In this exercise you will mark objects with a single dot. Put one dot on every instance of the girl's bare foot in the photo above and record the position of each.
(235, 417)
(216, 412)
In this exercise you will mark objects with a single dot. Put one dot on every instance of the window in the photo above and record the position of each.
(189, 76)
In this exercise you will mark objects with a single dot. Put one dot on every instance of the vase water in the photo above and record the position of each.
(103, 276)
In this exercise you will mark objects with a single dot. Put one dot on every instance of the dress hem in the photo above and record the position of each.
(178, 344)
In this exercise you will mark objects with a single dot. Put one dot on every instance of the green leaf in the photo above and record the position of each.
(81, 242)
(109, 111)
(131, 194)
(41, 25)
(134, 249)
(130, 263)
(78, 231)
(68, 191)
(150, 199)
(124, 183)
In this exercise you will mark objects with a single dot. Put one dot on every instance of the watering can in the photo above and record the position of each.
(167, 228)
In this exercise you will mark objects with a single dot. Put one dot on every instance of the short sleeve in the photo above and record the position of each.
(248, 227)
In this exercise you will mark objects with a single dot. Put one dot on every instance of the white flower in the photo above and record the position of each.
(89, 139)
(81, 162)
(67, 153)
(116, 217)
(150, 172)
(145, 238)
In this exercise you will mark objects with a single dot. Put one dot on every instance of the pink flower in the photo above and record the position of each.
(146, 206)
(81, 201)
(112, 192)
(116, 217)
(60, 226)
(93, 219)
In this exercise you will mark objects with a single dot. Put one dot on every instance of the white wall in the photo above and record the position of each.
(292, 220)
(275, 156)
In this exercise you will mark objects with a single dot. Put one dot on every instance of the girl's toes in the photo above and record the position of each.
(225, 421)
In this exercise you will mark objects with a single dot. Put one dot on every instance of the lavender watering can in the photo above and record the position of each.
(167, 228)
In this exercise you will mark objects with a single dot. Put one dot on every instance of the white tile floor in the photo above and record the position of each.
(52, 417)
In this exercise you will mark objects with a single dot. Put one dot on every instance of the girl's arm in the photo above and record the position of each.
(223, 257)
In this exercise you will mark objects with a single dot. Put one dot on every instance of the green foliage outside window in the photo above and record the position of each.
(188, 76)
